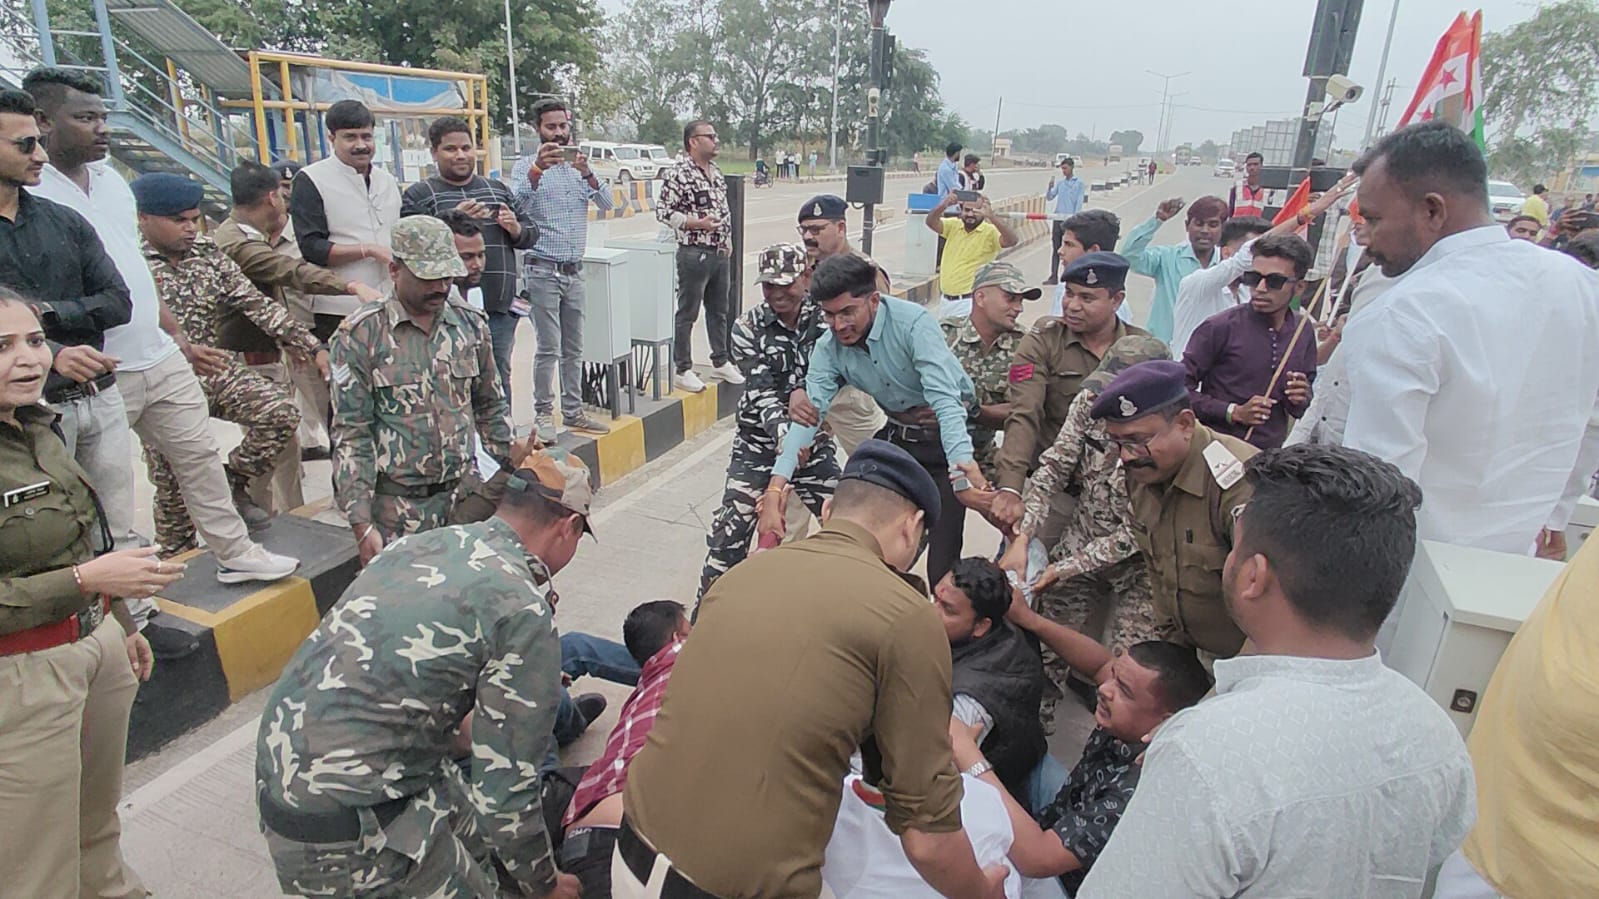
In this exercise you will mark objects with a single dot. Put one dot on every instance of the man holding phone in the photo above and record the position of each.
(693, 203)
(556, 187)
(970, 242)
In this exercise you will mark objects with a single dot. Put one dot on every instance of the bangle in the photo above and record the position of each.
(774, 490)
(78, 579)
(362, 536)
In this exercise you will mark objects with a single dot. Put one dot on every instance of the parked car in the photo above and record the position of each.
(1225, 168)
(1505, 200)
(657, 154)
(621, 163)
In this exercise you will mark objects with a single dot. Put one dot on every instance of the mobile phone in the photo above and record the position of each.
(968, 196)
(570, 153)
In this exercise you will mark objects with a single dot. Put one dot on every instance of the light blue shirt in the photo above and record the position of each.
(559, 207)
(1168, 265)
(948, 178)
(1069, 195)
(903, 363)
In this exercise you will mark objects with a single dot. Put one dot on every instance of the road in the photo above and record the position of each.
(189, 820)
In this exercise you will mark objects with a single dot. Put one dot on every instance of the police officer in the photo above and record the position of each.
(1051, 362)
(413, 376)
(1185, 483)
(204, 289)
(985, 343)
(447, 635)
(771, 345)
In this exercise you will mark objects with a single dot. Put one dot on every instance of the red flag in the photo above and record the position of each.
(1296, 203)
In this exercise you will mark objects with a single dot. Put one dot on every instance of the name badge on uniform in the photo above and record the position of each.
(23, 494)
(1224, 466)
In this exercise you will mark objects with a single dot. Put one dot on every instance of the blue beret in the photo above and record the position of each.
(825, 206)
(892, 468)
(163, 193)
(1140, 390)
(1097, 269)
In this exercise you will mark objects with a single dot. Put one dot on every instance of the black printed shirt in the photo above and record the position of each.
(688, 192)
(774, 359)
(1096, 794)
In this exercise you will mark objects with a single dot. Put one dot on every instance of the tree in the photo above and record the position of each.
(763, 45)
(653, 64)
(1130, 140)
(1209, 151)
(1541, 80)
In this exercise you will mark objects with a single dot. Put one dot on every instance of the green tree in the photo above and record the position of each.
(1130, 140)
(1541, 80)
(652, 60)
(762, 46)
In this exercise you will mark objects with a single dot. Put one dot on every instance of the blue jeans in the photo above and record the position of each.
(1045, 783)
(585, 654)
(502, 332)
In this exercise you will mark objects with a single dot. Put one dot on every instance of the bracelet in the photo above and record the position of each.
(978, 770)
(362, 536)
(774, 490)
(78, 579)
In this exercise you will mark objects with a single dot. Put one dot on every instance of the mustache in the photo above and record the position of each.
(1139, 463)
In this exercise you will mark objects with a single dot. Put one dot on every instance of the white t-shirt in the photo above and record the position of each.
(486, 466)
(110, 208)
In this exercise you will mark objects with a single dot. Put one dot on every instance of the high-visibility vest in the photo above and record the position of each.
(1247, 201)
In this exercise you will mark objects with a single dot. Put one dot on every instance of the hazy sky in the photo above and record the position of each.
(1245, 56)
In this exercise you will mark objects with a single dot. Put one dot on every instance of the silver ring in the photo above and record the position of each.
(158, 568)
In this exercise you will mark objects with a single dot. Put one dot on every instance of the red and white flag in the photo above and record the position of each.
(1451, 85)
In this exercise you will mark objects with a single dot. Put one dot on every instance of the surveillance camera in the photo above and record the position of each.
(1341, 90)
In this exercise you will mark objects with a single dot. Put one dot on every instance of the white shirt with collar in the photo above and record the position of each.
(110, 208)
(1300, 777)
(1328, 413)
(1204, 293)
(1478, 375)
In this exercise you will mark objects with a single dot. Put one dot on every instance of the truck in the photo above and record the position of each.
(1115, 152)
(1181, 155)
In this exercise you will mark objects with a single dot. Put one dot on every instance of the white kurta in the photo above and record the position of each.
(1478, 375)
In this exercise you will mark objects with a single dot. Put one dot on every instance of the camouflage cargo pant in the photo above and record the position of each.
(269, 418)
(454, 863)
(1119, 596)
(747, 475)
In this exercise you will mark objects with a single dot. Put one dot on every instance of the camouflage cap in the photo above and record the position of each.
(427, 247)
(1122, 355)
(1006, 277)
(781, 263)
(559, 477)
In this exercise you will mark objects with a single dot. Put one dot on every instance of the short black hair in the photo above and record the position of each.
(48, 85)
(1242, 226)
(1338, 527)
(1522, 218)
(867, 503)
(952, 150)
(971, 158)
(690, 128)
(984, 585)
(1291, 247)
(547, 105)
(347, 114)
(1180, 679)
(841, 274)
(1539, 188)
(1095, 228)
(1430, 156)
(1584, 247)
(649, 628)
(461, 223)
(1254, 155)
(253, 182)
(446, 125)
(17, 103)
(1067, 161)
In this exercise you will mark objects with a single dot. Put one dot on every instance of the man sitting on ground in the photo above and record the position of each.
(653, 632)
(1138, 690)
(998, 676)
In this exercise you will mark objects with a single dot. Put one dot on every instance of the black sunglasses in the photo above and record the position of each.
(1273, 282)
(26, 144)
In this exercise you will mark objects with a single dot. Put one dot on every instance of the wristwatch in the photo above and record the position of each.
(978, 770)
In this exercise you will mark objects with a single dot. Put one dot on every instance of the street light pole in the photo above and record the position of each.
(832, 131)
(1165, 91)
(874, 96)
(1382, 72)
(510, 69)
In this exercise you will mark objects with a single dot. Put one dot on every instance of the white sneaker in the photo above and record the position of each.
(256, 565)
(728, 372)
(689, 381)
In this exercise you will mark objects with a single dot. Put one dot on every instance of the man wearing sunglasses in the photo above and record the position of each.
(1184, 481)
(1236, 375)
(693, 203)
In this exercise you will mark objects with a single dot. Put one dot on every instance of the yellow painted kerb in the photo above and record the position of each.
(622, 450)
(699, 409)
(257, 635)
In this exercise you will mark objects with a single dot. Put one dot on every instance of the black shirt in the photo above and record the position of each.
(1093, 800)
(434, 195)
(53, 257)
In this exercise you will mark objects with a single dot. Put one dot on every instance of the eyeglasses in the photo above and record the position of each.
(813, 230)
(1136, 447)
(1273, 282)
(26, 144)
(709, 134)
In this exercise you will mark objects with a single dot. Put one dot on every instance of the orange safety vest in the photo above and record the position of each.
(1249, 202)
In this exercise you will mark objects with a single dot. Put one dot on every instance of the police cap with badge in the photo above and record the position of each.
(892, 468)
(1097, 269)
(1140, 390)
(825, 206)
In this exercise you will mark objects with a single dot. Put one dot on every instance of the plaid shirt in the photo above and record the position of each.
(608, 775)
(688, 192)
(432, 196)
(560, 207)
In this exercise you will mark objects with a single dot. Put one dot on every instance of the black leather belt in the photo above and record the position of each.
(894, 432)
(565, 268)
(952, 296)
(343, 826)
(640, 860)
(74, 392)
(387, 487)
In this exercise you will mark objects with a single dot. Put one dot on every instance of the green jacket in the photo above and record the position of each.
(41, 536)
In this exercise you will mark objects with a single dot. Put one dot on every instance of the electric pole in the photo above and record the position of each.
(874, 97)
(1165, 93)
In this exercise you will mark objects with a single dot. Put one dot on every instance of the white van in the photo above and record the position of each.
(621, 163)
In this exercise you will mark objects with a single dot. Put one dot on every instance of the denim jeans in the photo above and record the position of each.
(502, 332)
(703, 276)
(557, 302)
(587, 655)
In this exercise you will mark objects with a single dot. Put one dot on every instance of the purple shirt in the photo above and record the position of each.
(1231, 357)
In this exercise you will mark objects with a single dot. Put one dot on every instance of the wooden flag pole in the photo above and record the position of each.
(1283, 362)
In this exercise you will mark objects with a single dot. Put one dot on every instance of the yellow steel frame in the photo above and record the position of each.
(476, 91)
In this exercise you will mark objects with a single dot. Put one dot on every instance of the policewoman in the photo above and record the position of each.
(68, 667)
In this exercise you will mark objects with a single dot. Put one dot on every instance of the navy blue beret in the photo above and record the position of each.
(1140, 390)
(1097, 269)
(892, 468)
(825, 206)
(163, 193)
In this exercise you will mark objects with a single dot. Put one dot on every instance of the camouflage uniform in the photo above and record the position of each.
(406, 401)
(456, 620)
(199, 289)
(774, 359)
(989, 369)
